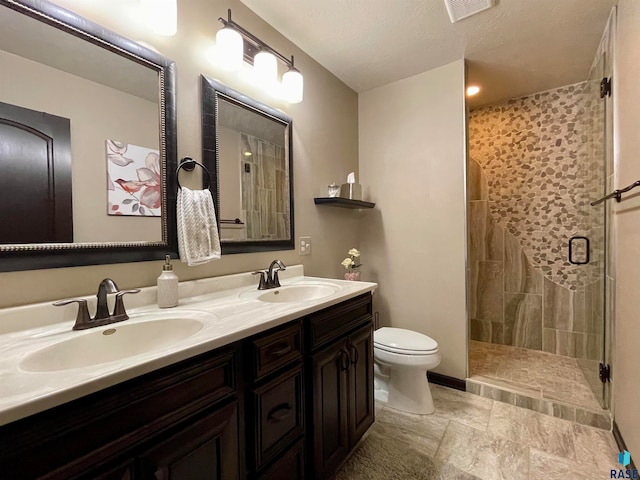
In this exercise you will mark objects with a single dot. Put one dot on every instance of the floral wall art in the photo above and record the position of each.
(133, 180)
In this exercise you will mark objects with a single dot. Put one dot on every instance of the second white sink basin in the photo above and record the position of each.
(110, 343)
(291, 293)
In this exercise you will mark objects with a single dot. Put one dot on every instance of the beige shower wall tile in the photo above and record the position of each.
(485, 237)
(486, 291)
(485, 331)
(564, 309)
(476, 182)
(523, 320)
(519, 274)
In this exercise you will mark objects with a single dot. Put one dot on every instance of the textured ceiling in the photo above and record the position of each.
(515, 48)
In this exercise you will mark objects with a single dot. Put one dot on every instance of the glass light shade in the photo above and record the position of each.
(293, 86)
(230, 48)
(265, 67)
(161, 15)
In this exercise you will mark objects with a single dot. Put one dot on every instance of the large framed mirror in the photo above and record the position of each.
(247, 149)
(87, 142)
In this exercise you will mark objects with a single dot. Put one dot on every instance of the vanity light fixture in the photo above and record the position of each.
(293, 84)
(265, 67)
(232, 50)
(161, 15)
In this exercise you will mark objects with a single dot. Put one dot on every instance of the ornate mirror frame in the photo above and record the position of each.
(211, 91)
(39, 256)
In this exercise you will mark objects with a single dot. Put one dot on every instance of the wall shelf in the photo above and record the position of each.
(342, 202)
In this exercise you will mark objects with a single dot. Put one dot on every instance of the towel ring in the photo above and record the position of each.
(189, 164)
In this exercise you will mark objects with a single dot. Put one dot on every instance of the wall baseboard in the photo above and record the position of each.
(621, 445)
(447, 381)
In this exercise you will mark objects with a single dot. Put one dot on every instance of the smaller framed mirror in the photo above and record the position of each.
(246, 146)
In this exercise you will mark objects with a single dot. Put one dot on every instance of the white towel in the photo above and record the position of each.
(198, 239)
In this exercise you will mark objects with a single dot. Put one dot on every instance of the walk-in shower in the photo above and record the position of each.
(538, 316)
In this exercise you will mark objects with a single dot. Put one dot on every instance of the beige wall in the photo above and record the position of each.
(325, 148)
(626, 370)
(412, 163)
(96, 113)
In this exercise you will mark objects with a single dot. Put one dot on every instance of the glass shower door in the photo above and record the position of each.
(595, 179)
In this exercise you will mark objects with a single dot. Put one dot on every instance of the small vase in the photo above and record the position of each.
(353, 275)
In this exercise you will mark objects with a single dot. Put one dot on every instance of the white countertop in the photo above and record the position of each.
(216, 302)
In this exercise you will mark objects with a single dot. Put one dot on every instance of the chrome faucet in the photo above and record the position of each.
(269, 278)
(103, 317)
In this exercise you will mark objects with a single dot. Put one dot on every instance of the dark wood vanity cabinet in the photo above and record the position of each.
(275, 403)
(123, 431)
(340, 400)
(204, 450)
(289, 403)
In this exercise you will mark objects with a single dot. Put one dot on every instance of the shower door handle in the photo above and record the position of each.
(575, 241)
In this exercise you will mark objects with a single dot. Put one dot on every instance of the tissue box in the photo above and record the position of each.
(352, 191)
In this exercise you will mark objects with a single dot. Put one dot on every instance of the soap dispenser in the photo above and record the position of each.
(167, 286)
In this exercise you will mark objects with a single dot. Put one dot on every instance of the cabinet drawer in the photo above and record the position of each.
(334, 322)
(276, 349)
(278, 416)
(288, 467)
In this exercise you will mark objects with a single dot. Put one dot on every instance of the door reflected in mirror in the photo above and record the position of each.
(252, 165)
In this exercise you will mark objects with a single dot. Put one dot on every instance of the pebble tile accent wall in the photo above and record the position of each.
(531, 177)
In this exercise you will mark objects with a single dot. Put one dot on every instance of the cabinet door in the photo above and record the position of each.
(361, 402)
(207, 449)
(330, 409)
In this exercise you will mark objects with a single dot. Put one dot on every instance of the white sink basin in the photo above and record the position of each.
(110, 343)
(291, 293)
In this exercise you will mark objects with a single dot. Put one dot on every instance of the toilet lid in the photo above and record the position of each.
(399, 340)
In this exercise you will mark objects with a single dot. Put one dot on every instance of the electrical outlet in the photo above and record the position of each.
(304, 245)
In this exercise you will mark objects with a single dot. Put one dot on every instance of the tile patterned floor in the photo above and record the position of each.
(551, 376)
(493, 440)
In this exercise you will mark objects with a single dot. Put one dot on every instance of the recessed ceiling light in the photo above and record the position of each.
(472, 90)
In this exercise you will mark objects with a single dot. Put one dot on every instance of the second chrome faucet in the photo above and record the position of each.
(269, 277)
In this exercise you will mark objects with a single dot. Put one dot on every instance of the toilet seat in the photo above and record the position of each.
(405, 342)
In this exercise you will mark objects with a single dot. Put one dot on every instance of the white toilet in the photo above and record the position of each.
(401, 360)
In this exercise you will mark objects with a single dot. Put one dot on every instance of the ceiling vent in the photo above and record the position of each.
(459, 9)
